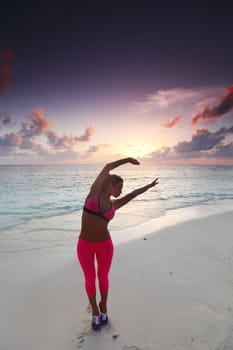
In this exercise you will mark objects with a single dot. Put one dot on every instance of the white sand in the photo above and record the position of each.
(173, 290)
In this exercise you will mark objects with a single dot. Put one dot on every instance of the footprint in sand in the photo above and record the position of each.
(86, 330)
(81, 338)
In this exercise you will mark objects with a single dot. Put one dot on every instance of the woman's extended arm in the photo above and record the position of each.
(124, 200)
(96, 186)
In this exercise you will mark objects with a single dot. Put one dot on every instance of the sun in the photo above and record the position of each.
(139, 151)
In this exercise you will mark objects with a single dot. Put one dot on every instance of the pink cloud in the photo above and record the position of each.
(38, 119)
(88, 133)
(6, 57)
(37, 125)
(4, 76)
(211, 114)
(172, 122)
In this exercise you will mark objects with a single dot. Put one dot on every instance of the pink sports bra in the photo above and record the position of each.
(92, 207)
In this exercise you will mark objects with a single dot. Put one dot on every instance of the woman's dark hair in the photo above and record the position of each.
(110, 179)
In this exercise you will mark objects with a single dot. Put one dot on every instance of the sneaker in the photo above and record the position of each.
(103, 319)
(96, 323)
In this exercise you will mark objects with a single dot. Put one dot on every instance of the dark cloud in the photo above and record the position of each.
(211, 114)
(202, 139)
(5, 119)
(222, 151)
(203, 144)
(172, 122)
(9, 143)
(6, 57)
(12, 139)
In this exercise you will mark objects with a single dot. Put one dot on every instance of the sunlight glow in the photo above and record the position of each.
(138, 151)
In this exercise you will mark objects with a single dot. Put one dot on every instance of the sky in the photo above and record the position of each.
(90, 82)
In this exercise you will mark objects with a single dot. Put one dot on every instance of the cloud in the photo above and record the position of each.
(87, 135)
(211, 114)
(68, 141)
(37, 126)
(163, 154)
(172, 122)
(61, 142)
(9, 143)
(38, 119)
(93, 149)
(28, 144)
(222, 151)
(6, 57)
(96, 148)
(202, 139)
(203, 144)
(24, 138)
(9, 140)
(163, 99)
(5, 119)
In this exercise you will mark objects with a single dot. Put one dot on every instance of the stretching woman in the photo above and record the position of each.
(95, 241)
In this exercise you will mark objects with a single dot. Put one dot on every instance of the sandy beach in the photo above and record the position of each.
(169, 290)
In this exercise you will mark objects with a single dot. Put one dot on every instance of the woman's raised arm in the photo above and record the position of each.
(124, 200)
(97, 184)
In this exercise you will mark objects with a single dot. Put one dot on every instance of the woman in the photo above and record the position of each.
(95, 241)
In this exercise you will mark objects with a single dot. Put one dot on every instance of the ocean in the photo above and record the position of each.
(41, 205)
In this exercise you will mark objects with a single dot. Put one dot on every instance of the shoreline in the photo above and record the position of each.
(65, 238)
(172, 217)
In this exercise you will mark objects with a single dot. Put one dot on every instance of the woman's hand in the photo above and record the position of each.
(154, 183)
(133, 161)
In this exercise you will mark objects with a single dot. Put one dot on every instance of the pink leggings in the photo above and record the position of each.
(86, 252)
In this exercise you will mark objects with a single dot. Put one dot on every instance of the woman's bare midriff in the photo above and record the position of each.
(94, 228)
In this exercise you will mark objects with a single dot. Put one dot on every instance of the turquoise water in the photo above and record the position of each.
(42, 205)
